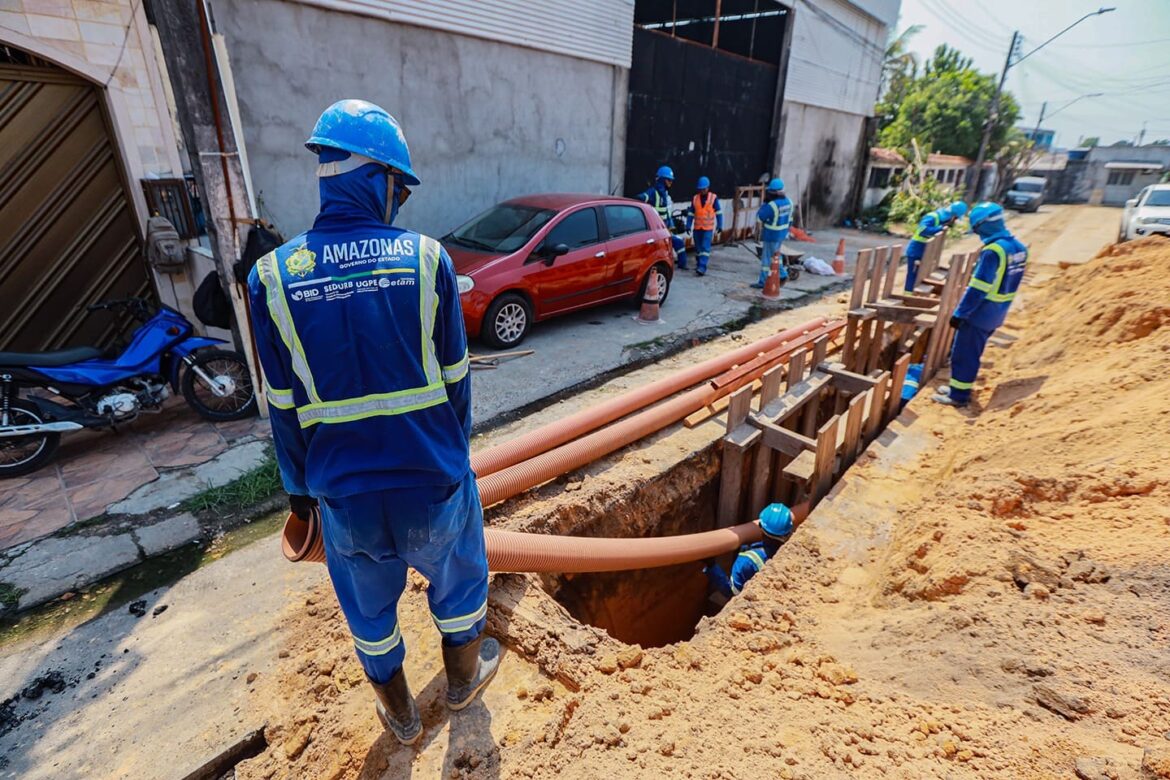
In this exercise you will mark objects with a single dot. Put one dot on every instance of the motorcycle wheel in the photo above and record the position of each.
(22, 454)
(230, 368)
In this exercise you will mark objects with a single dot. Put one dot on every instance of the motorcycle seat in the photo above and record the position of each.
(59, 357)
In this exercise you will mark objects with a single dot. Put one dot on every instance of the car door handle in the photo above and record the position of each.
(600, 254)
(649, 241)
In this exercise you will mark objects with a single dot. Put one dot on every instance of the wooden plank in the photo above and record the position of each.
(826, 458)
(853, 420)
(760, 481)
(804, 391)
(714, 408)
(896, 312)
(802, 467)
(880, 257)
(897, 380)
(860, 274)
(891, 270)
(735, 452)
(796, 368)
(770, 383)
(877, 407)
(819, 351)
(848, 381)
(738, 408)
(917, 301)
(783, 440)
(875, 347)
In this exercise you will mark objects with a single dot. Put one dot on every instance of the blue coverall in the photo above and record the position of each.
(911, 385)
(776, 216)
(703, 238)
(361, 338)
(658, 196)
(750, 560)
(984, 307)
(929, 226)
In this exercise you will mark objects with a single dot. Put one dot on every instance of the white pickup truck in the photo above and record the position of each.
(1147, 214)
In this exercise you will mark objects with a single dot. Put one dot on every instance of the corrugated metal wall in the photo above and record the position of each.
(836, 57)
(598, 30)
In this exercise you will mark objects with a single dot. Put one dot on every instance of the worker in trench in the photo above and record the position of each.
(985, 302)
(929, 226)
(658, 196)
(704, 223)
(776, 524)
(775, 218)
(361, 338)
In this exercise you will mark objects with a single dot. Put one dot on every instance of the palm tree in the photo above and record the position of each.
(900, 64)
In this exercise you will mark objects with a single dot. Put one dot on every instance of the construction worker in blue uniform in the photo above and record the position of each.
(986, 301)
(658, 196)
(911, 385)
(704, 222)
(361, 338)
(776, 524)
(775, 216)
(929, 226)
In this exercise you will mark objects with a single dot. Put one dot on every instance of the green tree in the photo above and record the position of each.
(899, 69)
(946, 106)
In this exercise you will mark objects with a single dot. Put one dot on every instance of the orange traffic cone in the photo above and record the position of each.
(839, 260)
(648, 315)
(772, 285)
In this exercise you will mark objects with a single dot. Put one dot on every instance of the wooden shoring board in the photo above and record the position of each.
(890, 311)
(736, 445)
(934, 348)
(897, 380)
(825, 461)
(854, 418)
(763, 462)
(916, 300)
(876, 415)
(715, 408)
(860, 270)
(847, 380)
(796, 399)
(892, 269)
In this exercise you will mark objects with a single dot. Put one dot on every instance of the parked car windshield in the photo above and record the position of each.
(503, 228)
(1158, 198)
(1027, 186)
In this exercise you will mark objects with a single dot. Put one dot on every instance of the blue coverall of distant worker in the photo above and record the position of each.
(658, 196)
(929, 226)
(704, 221)
(775, 216)
(776, 524)
(986, 301)
(361, 337)
(911, 385)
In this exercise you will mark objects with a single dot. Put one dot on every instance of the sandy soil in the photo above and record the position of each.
(995, 603)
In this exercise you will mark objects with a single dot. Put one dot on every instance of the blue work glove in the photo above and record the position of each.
(302, 506)
(956, 322)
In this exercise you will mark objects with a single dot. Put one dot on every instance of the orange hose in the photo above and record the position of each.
(549, 465)
(566, 429)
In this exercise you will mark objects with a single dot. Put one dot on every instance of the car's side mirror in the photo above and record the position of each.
(1129, 204)
(550, 253)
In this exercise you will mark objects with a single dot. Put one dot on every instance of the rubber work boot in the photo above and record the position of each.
(470, 668)
(759, 285)
(397, 710)
(943, 396)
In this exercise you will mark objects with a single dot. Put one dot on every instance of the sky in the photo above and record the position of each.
(1124, 54)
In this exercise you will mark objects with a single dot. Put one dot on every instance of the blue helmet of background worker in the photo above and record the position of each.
(776, 523)
(776, 185)
(929, 226)
(658, 196)
(958, 209)
(986, 301)
(360, 334)
(665, 174)
(703, 184)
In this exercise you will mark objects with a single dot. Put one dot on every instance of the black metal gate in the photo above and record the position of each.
(702, 111)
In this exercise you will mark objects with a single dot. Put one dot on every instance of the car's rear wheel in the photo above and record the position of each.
(507, 321)
(663, 283)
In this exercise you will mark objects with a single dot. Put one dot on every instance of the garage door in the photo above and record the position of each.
(68, 234)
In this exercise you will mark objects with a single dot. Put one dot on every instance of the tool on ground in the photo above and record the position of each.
(772, 285)
(492, 361)
(648, 315)
(839, 260)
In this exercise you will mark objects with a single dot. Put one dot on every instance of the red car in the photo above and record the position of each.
(531, 258)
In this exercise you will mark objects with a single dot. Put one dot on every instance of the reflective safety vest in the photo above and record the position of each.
(320, 408)
(704, 213)
(931, 225)
(993, 286)
(662, 204)
(1009, 272)
(776, 215)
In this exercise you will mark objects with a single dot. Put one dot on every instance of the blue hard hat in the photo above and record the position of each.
(360, 127)
(776, 185)
(704, 183)
(985, 212)
(776, 520)
(665, 172)
(958, 209)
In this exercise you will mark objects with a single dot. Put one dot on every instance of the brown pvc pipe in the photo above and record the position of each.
(566, 429)
(549, 465)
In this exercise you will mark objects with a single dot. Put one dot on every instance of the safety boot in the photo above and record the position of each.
(470, 668)
(943, 397)
(397, 710)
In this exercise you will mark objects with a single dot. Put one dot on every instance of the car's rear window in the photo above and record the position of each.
(623, 220)
(576, 230)
(1158, 198)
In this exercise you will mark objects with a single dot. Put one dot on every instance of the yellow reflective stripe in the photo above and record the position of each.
(380, 647)
(775, 223)
(756, 558)
(351, 409)
(1001, 269)
(269, 273)
(955, 383)
(456, 371)
(281, 399)
(462, 623)
(979, 284)
(428, 306)
(1001, 297)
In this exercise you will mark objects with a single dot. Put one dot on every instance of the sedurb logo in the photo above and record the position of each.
(301, 262)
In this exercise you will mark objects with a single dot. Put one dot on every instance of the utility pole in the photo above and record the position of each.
(1142, 135)
(975, 179)
(1040, 121)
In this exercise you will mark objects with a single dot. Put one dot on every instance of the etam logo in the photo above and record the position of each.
(305, 294)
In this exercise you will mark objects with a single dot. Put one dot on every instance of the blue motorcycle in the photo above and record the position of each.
(80, 388)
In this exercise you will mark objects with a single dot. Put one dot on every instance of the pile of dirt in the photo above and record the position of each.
(1013, 619)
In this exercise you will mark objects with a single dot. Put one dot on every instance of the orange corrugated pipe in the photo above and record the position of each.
(554, 434)
(549, 465)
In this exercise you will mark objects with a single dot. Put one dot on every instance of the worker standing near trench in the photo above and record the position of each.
(775, 217)
(986, 301)
(776, 525)
(658, 196)
(929, 226)
(361, 338)
(704, 222)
